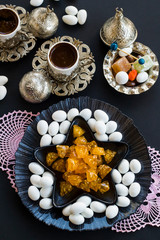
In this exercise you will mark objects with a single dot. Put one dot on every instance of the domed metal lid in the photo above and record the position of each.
(119, 29)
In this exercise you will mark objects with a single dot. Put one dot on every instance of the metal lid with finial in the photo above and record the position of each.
(118, 29)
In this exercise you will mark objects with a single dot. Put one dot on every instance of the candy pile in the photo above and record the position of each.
(129, 72)
(42, 185)
(3, 89)
(73, 16)
(54, 133)
(84, 207)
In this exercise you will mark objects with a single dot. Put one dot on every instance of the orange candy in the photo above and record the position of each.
(59, 165)
(83, 164)
(71, 164)
(62, 150)
(91, 175)
(77, 131)
(65, 188)
(50, 158)
(74, 180)
(132, 75)
(81, 151)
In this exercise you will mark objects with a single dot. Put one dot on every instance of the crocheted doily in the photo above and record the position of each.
(149, 212)
(12, 128)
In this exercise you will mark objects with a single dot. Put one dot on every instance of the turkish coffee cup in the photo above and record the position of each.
(9, 23)
(63, 60)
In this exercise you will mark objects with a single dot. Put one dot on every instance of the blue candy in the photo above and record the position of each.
(141, 61)
(114, 46)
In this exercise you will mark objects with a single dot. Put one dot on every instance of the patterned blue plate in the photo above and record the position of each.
(31, 139)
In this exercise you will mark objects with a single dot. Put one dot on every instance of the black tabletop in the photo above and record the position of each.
(16, 222)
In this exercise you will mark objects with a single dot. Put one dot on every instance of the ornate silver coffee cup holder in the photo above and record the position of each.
(22, 43)
(79, 79)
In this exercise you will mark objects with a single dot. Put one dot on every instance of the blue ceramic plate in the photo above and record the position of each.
(31, 140)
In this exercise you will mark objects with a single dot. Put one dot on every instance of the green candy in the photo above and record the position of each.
(146, 66)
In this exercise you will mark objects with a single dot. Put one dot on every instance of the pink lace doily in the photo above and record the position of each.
(149, 212)
(12, 128)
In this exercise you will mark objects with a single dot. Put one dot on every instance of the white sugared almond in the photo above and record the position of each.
(53, 128)
(45, 140)
(36, 3)
(3, 92)
(72, 113)
(123, 201)
(3, 80)
(123, 167)
(98, 207)
(121, 189)
(112, 211)
(100, 127)
(66, 211)
(87, 213)
(135, 166)
(58, 139)
(33, 193)
(111, 127)
(86, 114)
(71, 10)
(36, 168)
(70, 20)
(48, 174)
(85, 199)
(42, 127)
(59, 116)
(101, 137)
(82, 16)
(115, 137)
(64, 127)
(128, 178)
(77, 207)
(91, 123)
(100, 115)
(46, 192)
(77, 219)
(134, 189)
(35, 180)
(46, 182)
(46, 203)
(116, 176)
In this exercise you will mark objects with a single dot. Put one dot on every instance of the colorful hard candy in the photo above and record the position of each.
(121, 64)
(143, 67)
(132, 75)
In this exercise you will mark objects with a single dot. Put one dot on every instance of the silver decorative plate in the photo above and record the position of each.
(83, 76)
(25, 46)
(153, 72)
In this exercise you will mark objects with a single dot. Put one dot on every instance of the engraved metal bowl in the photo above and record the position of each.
(153, 71)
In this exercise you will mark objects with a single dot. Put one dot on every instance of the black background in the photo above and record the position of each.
(15, 220)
